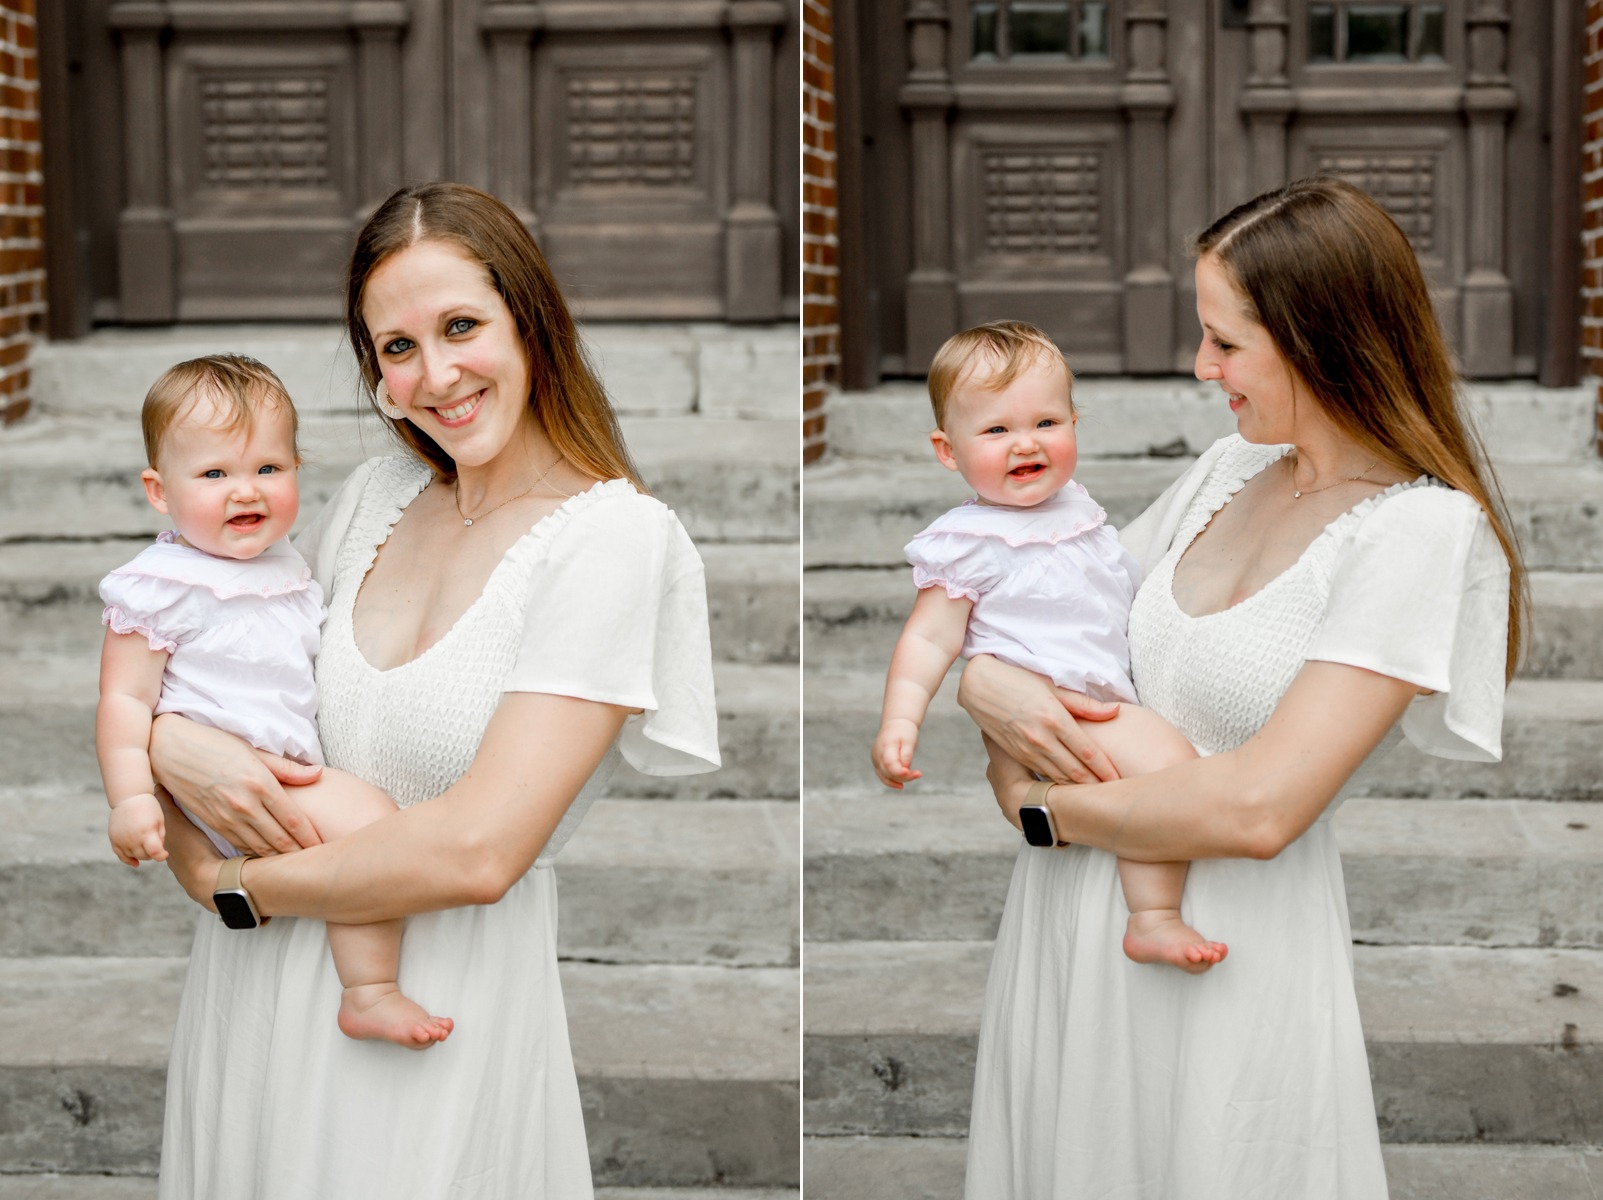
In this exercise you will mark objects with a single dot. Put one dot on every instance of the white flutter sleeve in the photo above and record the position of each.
(1420, 592)
(618, 614)
(319, 542)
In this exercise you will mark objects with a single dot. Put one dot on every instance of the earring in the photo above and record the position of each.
(385, 405)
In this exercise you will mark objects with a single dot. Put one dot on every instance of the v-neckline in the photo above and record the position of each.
(388, 531)
(1290, 568)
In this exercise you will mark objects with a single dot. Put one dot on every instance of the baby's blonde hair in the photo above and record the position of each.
(242, 387)
(1012, 346)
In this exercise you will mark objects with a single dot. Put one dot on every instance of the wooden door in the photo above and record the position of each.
(235, 145)
(1056, 157)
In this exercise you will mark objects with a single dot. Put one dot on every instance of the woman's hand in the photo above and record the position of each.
(1034, 722)
(237, 790)
(1009, 781)
(191, 857)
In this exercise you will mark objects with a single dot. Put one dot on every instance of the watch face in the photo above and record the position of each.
(235, 910)
(1037, 824)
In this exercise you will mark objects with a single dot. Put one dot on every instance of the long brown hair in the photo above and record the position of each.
(564, 393)
(1332, 279)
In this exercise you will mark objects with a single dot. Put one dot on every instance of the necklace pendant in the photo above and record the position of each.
(467, 520)
(1295, 495)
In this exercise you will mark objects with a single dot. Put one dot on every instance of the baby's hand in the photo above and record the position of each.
(893, 752)
(138, 830)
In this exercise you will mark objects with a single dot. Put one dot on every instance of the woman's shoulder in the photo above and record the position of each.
(611, 517)
(1419, 508)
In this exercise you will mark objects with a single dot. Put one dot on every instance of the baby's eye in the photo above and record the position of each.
(269, 469)
(460, 325)
(1046, 423)
(997, 429)
(214, 473)
(398, 346)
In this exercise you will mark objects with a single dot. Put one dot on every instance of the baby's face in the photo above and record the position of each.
(1014, 445)
(231, 493)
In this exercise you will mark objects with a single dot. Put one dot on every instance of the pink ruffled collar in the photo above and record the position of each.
(1066, 515)
(276, 571)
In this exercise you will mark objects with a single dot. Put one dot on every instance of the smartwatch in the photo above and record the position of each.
(234, 904)
(1036, 817)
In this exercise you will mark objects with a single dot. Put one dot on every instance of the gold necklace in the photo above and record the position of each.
(456, 493)
(1297, 493)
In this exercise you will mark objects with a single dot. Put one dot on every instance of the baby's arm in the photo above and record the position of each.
(930, 643)
(130, 687)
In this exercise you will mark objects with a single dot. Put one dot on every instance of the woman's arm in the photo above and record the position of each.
(929, 645)
(466, 846)
(1034, 722)
(1251, 802)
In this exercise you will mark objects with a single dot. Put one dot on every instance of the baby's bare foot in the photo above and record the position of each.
(380, 1010)
(1158, 935)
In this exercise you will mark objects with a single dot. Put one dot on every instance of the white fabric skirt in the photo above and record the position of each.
(267, 1100)
(1099, 1078)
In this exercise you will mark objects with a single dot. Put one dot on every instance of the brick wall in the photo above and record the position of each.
(22, 261)
(820, 224)
(1592, 210)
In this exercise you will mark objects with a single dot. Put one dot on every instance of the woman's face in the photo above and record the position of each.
(449, 350)
(1238, 352)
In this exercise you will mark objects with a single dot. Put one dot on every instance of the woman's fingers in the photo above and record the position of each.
(282, 805)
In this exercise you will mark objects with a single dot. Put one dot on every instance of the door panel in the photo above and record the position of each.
(1060, 154)
(637, 140)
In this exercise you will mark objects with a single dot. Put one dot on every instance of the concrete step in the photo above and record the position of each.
(47, 731)
(49, 603)
(1125, 418)
(143, 1187)
(872, 1168)
(852, 618)
(647, 369)
(1465, 1044)
(688, 1074)
(861, 513)
(709, 882)
(78, 476)
(1551, 731)
(919, 866)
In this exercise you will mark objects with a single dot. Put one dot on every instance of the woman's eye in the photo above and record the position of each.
(460, 325)
(398, 346)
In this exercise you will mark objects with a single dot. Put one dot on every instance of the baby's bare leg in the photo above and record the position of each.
(367, 957)
(1139, 742)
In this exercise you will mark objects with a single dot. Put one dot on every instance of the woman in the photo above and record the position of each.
(505, 604)
(1338, 566)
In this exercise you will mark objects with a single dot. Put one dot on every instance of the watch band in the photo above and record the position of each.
(1036, 796)
(234, 906)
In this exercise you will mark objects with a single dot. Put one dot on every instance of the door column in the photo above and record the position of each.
(1268, 101)
(146, 250)
(1148, 98)
(378, 25)
(1487, 340)
(512, 30)
(752, 241)
(927, 96)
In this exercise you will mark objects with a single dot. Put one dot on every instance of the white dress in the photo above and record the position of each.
(1050, 584)
(1099, 1078)
(266, 1100)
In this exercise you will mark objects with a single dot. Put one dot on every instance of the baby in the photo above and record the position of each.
(219, 622)
(1030, 573)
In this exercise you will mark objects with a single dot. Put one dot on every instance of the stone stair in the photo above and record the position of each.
(1476, 893)
(680, 897)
